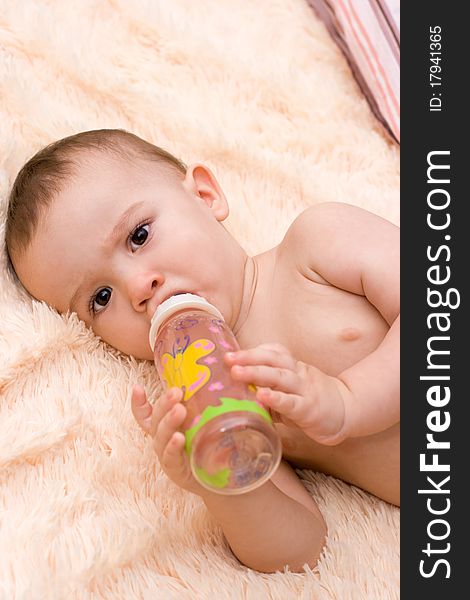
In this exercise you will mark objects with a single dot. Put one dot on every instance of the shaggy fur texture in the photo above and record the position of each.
(259, 92)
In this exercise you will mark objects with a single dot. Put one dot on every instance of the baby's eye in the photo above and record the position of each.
(100, 300)
(139, 236)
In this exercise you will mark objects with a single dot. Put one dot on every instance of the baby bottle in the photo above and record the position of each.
(231, 442)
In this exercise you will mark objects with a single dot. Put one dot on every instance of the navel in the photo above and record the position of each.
(349, 334)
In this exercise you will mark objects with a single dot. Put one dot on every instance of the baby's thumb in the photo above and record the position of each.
(141, 409)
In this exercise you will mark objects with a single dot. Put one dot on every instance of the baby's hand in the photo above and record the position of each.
(162, 422)
(302, 395)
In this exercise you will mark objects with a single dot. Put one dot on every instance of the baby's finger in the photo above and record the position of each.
(168, 426)
(276, 378)
(265, 354)
(141, 408)
(166, 401)
(289, 406)
(173, 458)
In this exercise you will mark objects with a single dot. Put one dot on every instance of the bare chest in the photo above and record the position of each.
(320, 324)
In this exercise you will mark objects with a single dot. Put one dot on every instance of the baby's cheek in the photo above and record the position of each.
(130, 338)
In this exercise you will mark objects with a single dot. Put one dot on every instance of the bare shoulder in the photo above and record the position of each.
(335, 222)
(286, 480)
(347, 247)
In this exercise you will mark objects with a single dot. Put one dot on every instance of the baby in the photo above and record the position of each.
(107, 225)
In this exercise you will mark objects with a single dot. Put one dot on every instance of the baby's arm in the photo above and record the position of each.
(356, 251)
(274, 526)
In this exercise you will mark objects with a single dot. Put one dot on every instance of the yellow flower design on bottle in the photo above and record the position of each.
(181, 369)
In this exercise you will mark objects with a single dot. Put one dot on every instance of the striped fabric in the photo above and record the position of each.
(368, 33)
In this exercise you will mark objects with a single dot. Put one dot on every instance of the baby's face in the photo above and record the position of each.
(124, 236)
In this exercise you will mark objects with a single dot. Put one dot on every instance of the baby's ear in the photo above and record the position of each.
(201, 182)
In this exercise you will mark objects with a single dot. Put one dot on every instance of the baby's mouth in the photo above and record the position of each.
(177, 294)
(153, 307)
(174, 294)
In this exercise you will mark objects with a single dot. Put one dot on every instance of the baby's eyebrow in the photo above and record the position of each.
(121, 224)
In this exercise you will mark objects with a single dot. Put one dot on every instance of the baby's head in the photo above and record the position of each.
(107, 225)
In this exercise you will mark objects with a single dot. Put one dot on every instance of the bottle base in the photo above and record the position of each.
(235, 453)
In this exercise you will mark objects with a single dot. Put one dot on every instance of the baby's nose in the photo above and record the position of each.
(142, 289)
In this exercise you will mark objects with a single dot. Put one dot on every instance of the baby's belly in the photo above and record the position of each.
(371, 463)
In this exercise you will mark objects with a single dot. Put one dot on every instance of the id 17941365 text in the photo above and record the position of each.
(435, 68)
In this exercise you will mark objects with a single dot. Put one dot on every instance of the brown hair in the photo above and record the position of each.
(44, 175)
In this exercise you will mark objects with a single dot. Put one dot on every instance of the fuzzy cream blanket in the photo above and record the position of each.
(259, 92)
